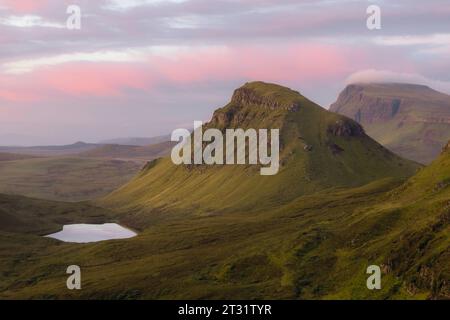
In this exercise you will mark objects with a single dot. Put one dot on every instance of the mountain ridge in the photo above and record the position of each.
(411, 120)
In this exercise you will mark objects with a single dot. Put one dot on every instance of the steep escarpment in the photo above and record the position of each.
(411, 120)
(421, 254)
(257, 101)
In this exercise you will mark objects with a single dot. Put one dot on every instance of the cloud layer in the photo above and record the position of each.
(143, 67)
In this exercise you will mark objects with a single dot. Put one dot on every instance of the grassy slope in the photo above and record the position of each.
(23, 221)
(317, 246)
(68, 179)
(20, 214)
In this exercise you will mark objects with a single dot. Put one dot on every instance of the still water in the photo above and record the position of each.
(84, 233)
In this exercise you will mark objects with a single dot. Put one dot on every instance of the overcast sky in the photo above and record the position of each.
(146, 67)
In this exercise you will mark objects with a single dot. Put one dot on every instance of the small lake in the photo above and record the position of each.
(85, 233)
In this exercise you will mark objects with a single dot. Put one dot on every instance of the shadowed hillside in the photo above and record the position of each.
(411, 120)
(34, 216)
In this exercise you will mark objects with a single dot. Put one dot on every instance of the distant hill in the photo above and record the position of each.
(137, 141)
(115, 151)
(51, 150)
(411, 120)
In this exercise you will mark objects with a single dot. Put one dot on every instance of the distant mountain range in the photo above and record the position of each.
(13, 156)
(92, 150)
(117, 151)
(70, 149)
(411, 120)
(137, 141)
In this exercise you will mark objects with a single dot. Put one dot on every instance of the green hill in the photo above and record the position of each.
(319, 150)
(411, 120)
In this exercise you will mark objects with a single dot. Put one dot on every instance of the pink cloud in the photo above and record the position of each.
(94, 79)
(25, 6)
(311, 62)
(12, 90)
(308, 63)
(74, 79)
(16, 96)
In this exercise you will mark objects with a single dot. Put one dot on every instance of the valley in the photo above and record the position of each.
(339, 203)
(76, 172)
(65, 178)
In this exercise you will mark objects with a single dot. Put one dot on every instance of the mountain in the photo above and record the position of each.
(115, 151)
(411, 120)
(51, 150)
(319, 150)
(137, 141)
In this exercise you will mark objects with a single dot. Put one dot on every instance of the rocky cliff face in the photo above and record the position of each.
(411, 120)
(249, 103)
(346, 128)
(367, 108)
(446, 148)
(247, 96)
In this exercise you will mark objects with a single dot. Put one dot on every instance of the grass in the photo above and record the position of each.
(65, 178)
(316, 247)
(228, 233)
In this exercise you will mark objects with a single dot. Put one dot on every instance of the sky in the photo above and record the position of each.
(146, 67)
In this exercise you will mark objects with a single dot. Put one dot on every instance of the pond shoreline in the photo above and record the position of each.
(91, 233)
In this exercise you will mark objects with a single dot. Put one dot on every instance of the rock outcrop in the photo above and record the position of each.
(346, 128)
(247, 96)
